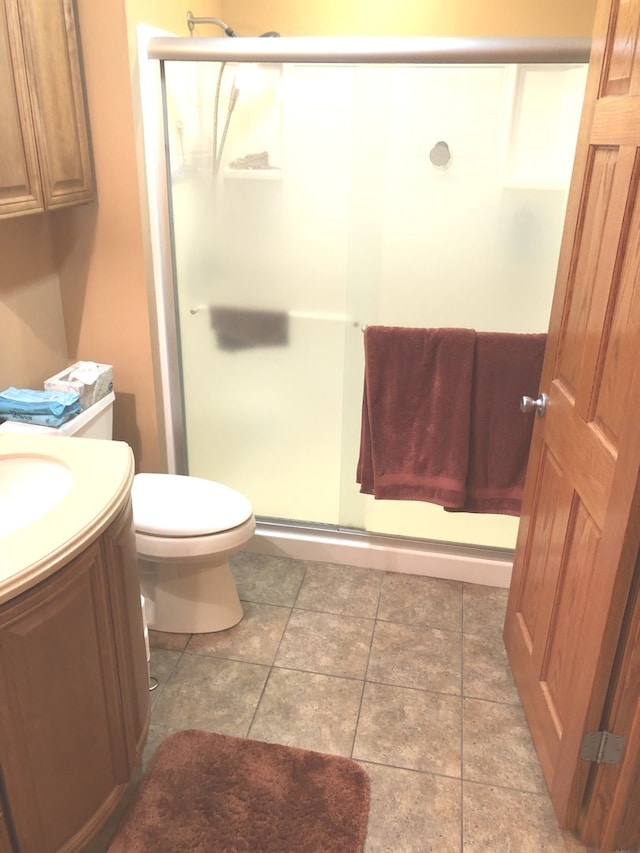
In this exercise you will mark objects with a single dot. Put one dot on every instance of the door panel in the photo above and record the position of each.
(616, 373)
(613, 819)
(578, 537)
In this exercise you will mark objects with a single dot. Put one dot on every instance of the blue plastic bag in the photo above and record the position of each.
(17, 401)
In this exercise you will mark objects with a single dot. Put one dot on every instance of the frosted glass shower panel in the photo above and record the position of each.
(262, 347)
(306, 204)
(547, 102)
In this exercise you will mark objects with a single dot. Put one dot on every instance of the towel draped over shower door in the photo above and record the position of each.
(440, 416)
(414, 441)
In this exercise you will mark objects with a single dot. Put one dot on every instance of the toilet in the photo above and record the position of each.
(186, 528)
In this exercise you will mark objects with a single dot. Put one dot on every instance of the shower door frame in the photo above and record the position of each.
(159, 49)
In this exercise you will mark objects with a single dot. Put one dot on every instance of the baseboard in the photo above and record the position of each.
(485, 566)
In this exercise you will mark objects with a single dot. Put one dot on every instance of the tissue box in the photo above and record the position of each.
(91, 380)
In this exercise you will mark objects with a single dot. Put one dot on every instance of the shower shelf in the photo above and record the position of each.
(252, 174)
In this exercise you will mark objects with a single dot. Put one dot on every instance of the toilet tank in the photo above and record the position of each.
(94, 422)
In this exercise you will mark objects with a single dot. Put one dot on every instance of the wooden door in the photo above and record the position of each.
(580, 529)
(611, 816)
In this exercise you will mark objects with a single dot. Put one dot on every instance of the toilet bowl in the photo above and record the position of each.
(186, 529)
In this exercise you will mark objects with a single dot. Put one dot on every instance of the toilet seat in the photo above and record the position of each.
(170, 548)
(177, 506)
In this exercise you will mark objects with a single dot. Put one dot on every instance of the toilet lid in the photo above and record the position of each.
(177, 505)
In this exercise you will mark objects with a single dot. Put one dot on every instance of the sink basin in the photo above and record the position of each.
(30, 487)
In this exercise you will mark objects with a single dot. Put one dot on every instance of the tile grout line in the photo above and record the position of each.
(272, 665)
(366, 669)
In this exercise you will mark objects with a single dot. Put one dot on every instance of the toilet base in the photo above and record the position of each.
(189, 597)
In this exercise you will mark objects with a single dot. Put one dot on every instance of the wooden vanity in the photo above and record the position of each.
(74, 699)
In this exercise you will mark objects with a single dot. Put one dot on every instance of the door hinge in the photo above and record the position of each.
(602, 747)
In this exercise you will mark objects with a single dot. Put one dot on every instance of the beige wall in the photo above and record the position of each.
(32, 330)
(170, 15)
(74, 284)
(411, 17)
(99, 248)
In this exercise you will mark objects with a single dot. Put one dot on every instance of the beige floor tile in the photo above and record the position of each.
(254, 639)
(412, 812)
(483, 610)
(157, 733)
(503, 821)
(292, 672)
(211, 694)
(326, 643)
(409, 656)
(345, 590)
(161, 665)
(414, 600)
(486, 673)
(497, 747)
(308, 710)
(413, 729)
(169, 641)
(267, 580)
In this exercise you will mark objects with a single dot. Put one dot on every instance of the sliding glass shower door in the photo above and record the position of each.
(336, 196)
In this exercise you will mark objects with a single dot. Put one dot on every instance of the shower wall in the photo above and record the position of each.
(278, 269)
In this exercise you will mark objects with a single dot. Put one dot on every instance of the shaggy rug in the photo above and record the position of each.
(207, 792)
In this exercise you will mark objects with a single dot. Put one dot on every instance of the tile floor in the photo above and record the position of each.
(405, 674)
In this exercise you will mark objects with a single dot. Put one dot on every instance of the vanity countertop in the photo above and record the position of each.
(101, 476)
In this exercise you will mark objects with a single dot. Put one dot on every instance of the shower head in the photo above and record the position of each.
(270, 34)
(191, 22)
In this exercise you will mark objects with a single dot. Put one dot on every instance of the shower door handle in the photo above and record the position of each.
(539, 406)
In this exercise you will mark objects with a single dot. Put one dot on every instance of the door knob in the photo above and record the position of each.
(539, 406)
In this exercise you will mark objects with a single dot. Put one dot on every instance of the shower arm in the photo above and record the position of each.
(229, 31)
(192, 21)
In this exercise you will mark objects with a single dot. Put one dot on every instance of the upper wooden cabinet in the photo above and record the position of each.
(45, 158)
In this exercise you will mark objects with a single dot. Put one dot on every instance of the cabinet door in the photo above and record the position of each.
(5, 842)
(56, 746)
(132, 675)
(20, 188)
(75, 703)
(52, 53)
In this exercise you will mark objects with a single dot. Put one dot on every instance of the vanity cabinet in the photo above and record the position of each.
(45, 157)
(74, 683)
(5, 841)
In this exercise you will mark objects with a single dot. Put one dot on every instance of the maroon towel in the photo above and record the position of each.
(416, 414)
(506, 367)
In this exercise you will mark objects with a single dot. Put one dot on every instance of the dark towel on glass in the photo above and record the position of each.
(506, 366)
(243, 328)
(441, 420)
(416, 414)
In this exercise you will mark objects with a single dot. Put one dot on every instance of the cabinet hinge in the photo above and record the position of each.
(602, 747)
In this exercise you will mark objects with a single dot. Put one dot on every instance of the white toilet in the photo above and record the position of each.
(186, 529)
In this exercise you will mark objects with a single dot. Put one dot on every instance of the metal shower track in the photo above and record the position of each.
(343, 49)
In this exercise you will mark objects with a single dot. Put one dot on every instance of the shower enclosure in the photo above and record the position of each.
(318, 186)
